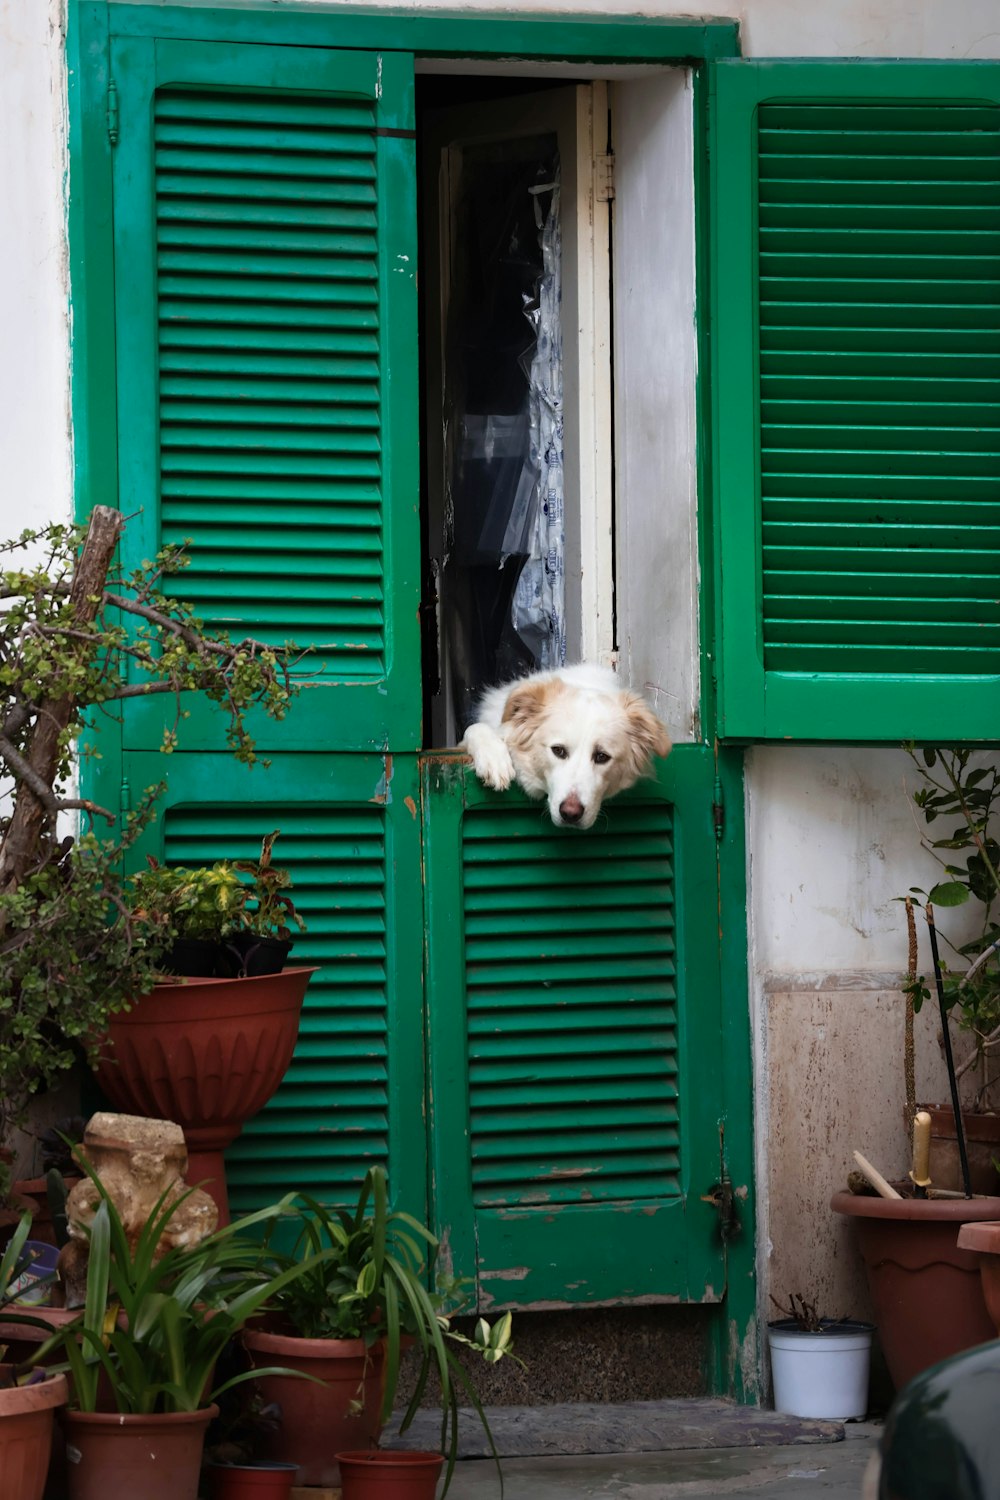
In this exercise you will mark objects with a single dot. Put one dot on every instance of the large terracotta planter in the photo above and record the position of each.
(390, 1476)
(208, 1054)
(154, 1457)
(317, 1420)
(26, 1436)
(925, 1290)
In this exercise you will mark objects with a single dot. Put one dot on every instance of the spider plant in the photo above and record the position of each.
(365, 1273)
(155, 1322)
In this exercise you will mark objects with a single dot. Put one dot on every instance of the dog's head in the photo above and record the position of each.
(576, 747)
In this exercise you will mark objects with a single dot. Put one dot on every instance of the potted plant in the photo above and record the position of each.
(958, 800)
(59, 1173)
(77, 636)
(28, 1397)
(263, 939)
(142, 1354)
(819, 1366)
(348, 1319)
(209, 1050)
(201, 907)
(924, 1282)
(208, 1047)
(222, 926)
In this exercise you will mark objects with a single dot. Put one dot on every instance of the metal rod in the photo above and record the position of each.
(949, 1060)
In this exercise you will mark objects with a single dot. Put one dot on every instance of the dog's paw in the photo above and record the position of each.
(490, 757)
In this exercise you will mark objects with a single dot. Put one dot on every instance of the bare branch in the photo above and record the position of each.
(30, 777)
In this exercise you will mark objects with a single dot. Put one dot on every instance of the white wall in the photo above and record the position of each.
(35, 445)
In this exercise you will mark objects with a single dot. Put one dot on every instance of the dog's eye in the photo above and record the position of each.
(560, 752)
(600, 757)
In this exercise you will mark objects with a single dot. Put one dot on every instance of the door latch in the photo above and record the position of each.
(723, 1200)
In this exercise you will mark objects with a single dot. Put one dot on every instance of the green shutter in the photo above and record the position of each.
(571, 1003)
(857, 399)
(262, 196)
(575, 1015)
(352, 1092)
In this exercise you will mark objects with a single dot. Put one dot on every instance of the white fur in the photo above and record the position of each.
(574, 736)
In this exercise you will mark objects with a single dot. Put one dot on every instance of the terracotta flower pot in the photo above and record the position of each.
(925, 1290)
(35, 1190)
(389, 1476)
(252, 1481)
(155, 1457)
(982, 1141)
(26, 1436)
(317, 1420)
(984, 1242)
(208, 1054)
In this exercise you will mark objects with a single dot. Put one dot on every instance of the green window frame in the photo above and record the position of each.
(856, 398)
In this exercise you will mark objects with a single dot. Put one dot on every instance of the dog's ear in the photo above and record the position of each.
(647, 736)
(523, 710)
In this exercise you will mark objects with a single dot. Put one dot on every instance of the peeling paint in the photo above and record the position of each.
(560, 1172)
(383, 790)
(411, 806)
(514, 1273)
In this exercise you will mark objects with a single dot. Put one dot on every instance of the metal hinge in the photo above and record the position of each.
(718, 810)
(604, 177)
(112, 112)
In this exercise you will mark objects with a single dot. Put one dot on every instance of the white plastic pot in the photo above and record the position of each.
(821, 1374)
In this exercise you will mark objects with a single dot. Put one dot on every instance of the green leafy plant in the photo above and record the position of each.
(370, 1269)
(960, 793)
(155, 1323)
(267, 908)
(204, 903)
(78, 637)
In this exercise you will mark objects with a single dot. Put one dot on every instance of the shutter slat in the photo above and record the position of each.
(879, 282)
(571, 1019)
(269, 365)
(339, 1071)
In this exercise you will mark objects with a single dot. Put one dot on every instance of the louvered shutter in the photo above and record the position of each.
(264, 212)
(355, 1085)
(856, 398)
(574, 1012)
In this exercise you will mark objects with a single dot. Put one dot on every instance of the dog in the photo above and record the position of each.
(574, 736)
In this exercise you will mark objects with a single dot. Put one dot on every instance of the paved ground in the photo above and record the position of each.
(659, 1451)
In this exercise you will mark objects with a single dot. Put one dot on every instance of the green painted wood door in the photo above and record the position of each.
(531, 1020)
(265, 248)
(575, 1031)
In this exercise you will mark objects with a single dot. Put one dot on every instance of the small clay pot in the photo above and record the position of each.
(387, 1475)
(263, 1480)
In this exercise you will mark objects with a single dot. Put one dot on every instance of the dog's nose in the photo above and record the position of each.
(571, 809)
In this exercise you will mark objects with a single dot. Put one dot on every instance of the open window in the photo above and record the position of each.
(558, 381)
(517, 365)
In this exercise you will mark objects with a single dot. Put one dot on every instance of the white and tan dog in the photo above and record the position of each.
(573, 736)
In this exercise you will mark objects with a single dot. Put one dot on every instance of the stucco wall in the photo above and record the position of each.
(831, 840)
